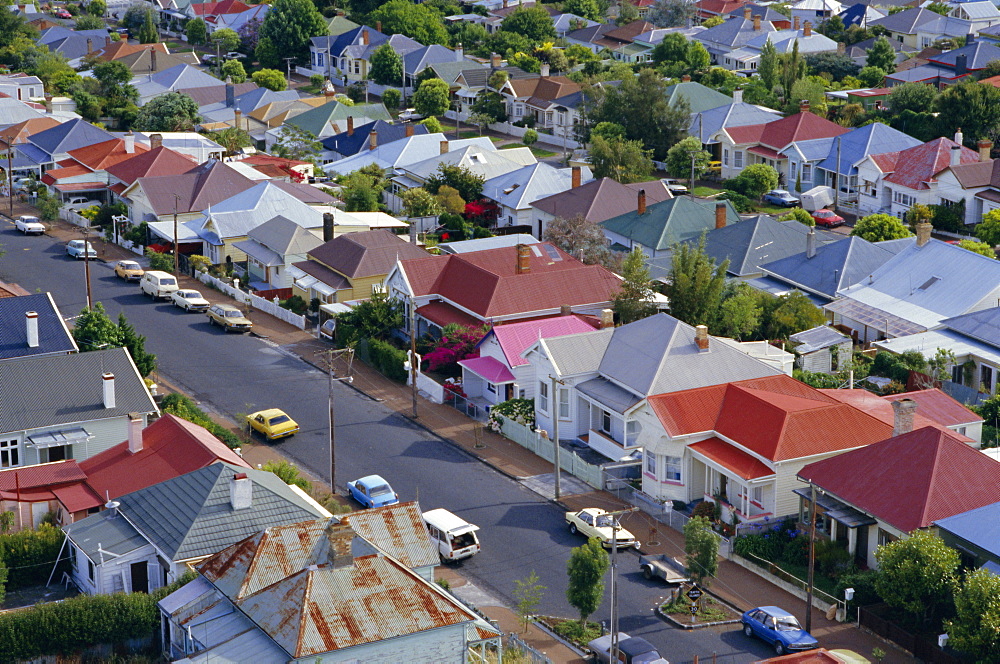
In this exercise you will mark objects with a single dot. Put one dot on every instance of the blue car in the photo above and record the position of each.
(779, 628)
(781, 198)
(372, 491)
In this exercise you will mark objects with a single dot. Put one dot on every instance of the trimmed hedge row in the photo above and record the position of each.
(387, 359)
(29, 556)
(185, 408)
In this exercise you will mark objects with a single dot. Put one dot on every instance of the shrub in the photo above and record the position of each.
(316, 80)
(160, 261)
(832, 559)
(457, 343)
(707, 509)
(387, 359)
(864, 587)
(519, 410)
(29, 554)
(742, 204)
(295, 304)
(184, 408)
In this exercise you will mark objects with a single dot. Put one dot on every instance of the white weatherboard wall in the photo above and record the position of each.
(105, 433)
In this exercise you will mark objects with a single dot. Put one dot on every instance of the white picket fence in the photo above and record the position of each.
(259, 303)
(569, 461)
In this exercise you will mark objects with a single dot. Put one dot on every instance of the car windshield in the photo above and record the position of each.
(129, 266)
(605, 521)
(279, 419)
(233, 314)
(380, 490)
(825, 213)
(788, 624)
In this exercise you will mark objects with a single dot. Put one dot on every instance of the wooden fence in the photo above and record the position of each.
(919, 646)
(267, 306)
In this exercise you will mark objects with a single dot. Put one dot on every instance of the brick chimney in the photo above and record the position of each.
(642, 202)
(902, 416)
(746, 13)
(686, 78)
(444, 147)
(577, 176)
(720, 214)
(701, 337)
(923, 233)
(152, 59)
(350, 125)
(155, 141)
(90, 45)
(607, 318)
(31, 323)
(955, 156)
(756, 23)
(48, 103)
(795, 22)
(240, 491)
(364, 37)
(134, 433)
(327, 226)
(495, 61)
(811, 243)
(804, 106)
(523, 259)
(372, 139)
(237, 118)
(340, 537)
(108, 380)
(378, 26)
(807, 29)
(409, 129)
(985, 148)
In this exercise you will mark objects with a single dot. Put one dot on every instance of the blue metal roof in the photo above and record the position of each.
(980, 325)
(980, 527)
(53, 337)
(857, 144)
(833, 267)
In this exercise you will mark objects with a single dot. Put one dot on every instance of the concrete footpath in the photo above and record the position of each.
(733, 583)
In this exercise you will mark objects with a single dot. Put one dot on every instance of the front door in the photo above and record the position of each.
(140, 577)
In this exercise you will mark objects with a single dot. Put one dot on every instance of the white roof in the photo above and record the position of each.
(819, 5)
(928, 343)
(237, 215)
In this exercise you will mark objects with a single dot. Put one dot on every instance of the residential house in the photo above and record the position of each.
(617, 39)
(33, 327)
(143, 58)
(137, 546)
(974, 535)
(804, 40)
(299, 591)
(903, 26)
(85, 170)
(536, 97)
(896, 181)
(44, 149)
(734, 34)
(767, 143)
(595, 201)
(859, 52)
(280, 168)
(860, 14)
(566, 23)
(656, 228)
(516, 191)
(506, 284)
(178, 77)
(974, 339)
(197, 146)
(709, 8)
(483, 243)
(350, 266)
(873, 99)
(606, 374)
(469, 81)
(155, 162)
(344, 57)
(399, 531)
(815, 11)
(911, 293)
(368, 136)
(944, 410)
(698, 97)
(272, 247)
(766, 13)
(32, 493)
(500, 372)
(159, 197)
(927, 465)
(972, 185)
(86, 414)
(22, 86)
(329, 119)
(405, 152)
(949, 67)
(19, 132)
(231, 14)
(821, 349)
(708, 125)
(416, 61)
(72, 44)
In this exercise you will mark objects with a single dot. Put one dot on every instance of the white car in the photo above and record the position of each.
(410, 114)
(80, 249)
(22, 183)
(233, 55)
(674, 186)
(29, 225)
(189, 300)
(81, 203)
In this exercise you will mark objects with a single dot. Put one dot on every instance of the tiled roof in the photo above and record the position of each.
(801, 126)
(151, 163)
(917, 166)
(600, 200)
(932, 468)
(171, 446)
(736, 460)
(938, 406)
(515, 338)
(53, 336)
(365, 254)
(776, 417)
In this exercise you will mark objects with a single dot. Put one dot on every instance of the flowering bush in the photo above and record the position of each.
(773, 541)
(455, 389)
(456, 344)
(519, 410)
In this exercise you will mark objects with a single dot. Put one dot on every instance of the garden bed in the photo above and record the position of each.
(571, 631)
(712, 611)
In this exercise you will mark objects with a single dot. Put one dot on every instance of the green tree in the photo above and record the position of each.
(916, 97)
(634, 299)
(627, 12)
(114, 77)
(581, 238)
(171, 111)
(147, 33)
(449, 200)
(799, 215)
(882, 55)
(988, 230)
(757, 179)
(288, 473)
(880, 227)
(622, 160)
(525, 62)
(433, 125)
(232, 139)
(375, 318)
(94, 330)
(608, 130)
(672, 49)
(695, 284)
(530, 137)
(289, 26)
(872, 76)
(697, 57)
(917, 574)
(973, 107)
(469, 185)
(687, 156)
(420, 22)
(227, 39)
(833, 28)
(741, 312)
(97, 8)
(386, 65)
(390, 98)
(490, 104)
(234, 71)
(136, 344)
(586, 567)
(135, 16)
(976, 626)
(794, 313)
(268, 56)
(810, 90)
(978, 248)
(196, 31)
(769, 65)
(713, 21)
(418, 202)
(360, 194)
(90, 22)
(590, 9)
(836, 65)
(296, 143)
(272, 79)
(528, 595)
(671, 14)
(702, 548)
(532, 22)
(431, 98)
(793, 68)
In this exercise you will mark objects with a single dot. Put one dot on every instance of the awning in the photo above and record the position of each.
(873, 317)
(766, 152)
(260, 253)
(81, 186)
(989, 195)
(489, 368)
(442, 313)
(324, 289)
(56, 438)
(608, 395)
(840, 512)
(735, 460)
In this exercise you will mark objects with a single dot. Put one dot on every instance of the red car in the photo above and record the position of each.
(827, 218)
(62, 13)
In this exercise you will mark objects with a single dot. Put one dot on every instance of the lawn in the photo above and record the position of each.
(538, 152)
(705, 191)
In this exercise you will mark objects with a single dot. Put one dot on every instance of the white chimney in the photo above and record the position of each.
(240, 491)
(811, 243)
(959, 136)
(956, 155)
(129, 142)
(134, 433)
(109, 390)
(738, 96)
(31, 319)
(545, 70)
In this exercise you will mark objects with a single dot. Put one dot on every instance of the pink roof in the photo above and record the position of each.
(489, 368)
(911, 480)
(917, 166)
(515, 338)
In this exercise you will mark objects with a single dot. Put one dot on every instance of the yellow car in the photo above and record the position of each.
(128, 270)
(273, 423)
(714, 167)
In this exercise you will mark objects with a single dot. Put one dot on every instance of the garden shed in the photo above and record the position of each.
(821, 349)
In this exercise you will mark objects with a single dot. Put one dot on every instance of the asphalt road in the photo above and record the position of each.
(521, 532)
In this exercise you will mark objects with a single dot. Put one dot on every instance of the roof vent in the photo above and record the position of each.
(112, 509)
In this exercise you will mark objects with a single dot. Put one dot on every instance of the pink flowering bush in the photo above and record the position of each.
(457, 343)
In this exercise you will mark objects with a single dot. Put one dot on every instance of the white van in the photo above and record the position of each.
(158, 284)
(454, 537)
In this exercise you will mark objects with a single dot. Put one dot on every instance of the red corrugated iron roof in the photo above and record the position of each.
(766, 152)
(938, 406)
(917, 166)
(42, 475)
(158, 161)
(100, 156)
(911, 480)
(77, 497)
(731, 458)
(72, 171)
(81, 186)
(442, 313)
(802, 126)
(881, 408)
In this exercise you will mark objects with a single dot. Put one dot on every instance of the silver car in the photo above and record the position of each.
(80, 249)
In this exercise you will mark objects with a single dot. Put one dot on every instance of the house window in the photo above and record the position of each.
(650, 463)
(903, 199)
(491, 388)
(807, 172)
(56, 453)
(725, 157)
(946, 203)
(757, 496)
(543, 396)
(956, 374)
(793, 169)
(632, 429)
(672, 468)
(10, 453)
(986, 378)
(738, 159)
(885, 538)
(605, 421)
(90, 570)
(563, 403)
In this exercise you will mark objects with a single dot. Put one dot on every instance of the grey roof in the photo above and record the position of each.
(977, 54)
(980, 325)
(68, 136)
(576, 354)
(980, 527)
(52, 390)
(736, 114)
(175, 78)
(450, 71)
(284, 236)
(608, 394)
(478, 77)
(13, 111)
(732, 34)
(658, 354)
(418, 60)
(668, 222)
(907, 21)
(404, 152)
(239, 214)
(817, 338)
(53, 336)
(699, 97)
(107, 532)
(483, 243)
(835, 266)
(191, 515)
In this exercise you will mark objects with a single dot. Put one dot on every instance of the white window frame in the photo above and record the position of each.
(607, 422)
(543, 397)
(632, 430)
(650, 467)
(563, 394)
(725, 157)
(673, 469)
(738, 159)
(11, 453)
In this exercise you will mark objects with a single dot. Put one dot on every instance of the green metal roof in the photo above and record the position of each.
(315, 120)
(666, 223)
(699, 97)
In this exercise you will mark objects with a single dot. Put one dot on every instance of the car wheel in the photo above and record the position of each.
(572, 528)
(748, 631)
(211, 321)
(647, 573)
(779, 648)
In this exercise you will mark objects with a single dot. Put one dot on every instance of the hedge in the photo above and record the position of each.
(184, 408)
(387, 359)
(30, 555)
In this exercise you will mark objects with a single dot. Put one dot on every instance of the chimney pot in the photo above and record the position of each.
(240, 491)
(804, 106)
(807, 29)
(959, 136)
(350, 125)
(372, 139)
(340, 537)
(327, 226)
(701, 337)
(923, 233)
(607, 318)
(811, 243)
(903, 411)
(746, 13)
(409, 129)
(720, 214)
(31, 321)
(134, 433)
(577, 176)
(155, 141)
(523, 259)
(795, 22)
(756, 23)
(686, 78)
(985, 149)
(642, 201)
(444, 147)
(109, 390)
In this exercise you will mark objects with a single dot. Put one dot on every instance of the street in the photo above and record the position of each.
(520, 532)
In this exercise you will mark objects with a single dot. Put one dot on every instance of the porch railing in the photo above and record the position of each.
(466, 406)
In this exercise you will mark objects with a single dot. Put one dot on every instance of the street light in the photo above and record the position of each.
(615, 526)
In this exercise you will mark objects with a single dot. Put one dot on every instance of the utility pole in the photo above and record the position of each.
(86, 262)
(330, 355)
(615, 526)
(812, 555)
(555, 427)
(10, 174)
(177, 245)
(413, 355)
(694, 155)
(288, 68)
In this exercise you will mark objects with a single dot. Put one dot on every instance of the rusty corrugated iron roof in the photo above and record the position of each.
(397, 530)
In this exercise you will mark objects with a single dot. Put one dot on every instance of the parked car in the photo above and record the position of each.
(207, 59)
(715, 168)
(82, 203)
(827, 218)
(22, 183)
(327, 329)
(233, 55)
(674, 186)
(229, 317)
(128, 270)
(595, 522)
(63, 13)
(410, 114)
(273, 423)
(777, 627)
(781, 198)
(189, 299)
(80, 249)
(454, 537)
(29, 225)
(158, 284)
(631, 650)
(372, 491)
